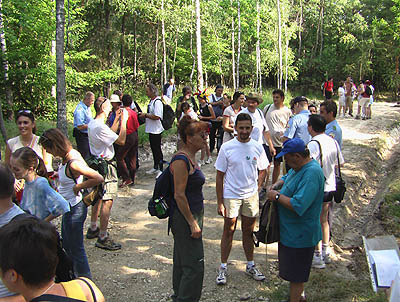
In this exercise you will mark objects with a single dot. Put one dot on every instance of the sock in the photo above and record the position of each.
(325, 249)
(224, 265)
(93, 226)
(103, 234)
(250, 263)
(317, 254)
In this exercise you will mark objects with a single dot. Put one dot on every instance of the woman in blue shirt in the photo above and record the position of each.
(39, 198)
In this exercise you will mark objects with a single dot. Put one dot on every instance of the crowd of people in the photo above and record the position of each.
(348, 91)
(246, 143)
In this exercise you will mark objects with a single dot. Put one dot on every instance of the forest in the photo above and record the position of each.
(243, 44)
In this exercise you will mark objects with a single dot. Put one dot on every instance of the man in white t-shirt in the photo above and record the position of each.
(326, 151)
(237, 183)
(101, 140)
(277, 116)
(154, 128)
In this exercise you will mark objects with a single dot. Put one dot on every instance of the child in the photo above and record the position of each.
(39, 198)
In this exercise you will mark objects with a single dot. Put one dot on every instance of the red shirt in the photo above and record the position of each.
(132, 124)
(328, 86)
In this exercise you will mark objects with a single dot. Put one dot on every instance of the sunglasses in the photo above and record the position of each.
(24, 111)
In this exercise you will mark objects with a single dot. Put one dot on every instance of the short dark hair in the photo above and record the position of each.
(126, 100)
(311, 106)
(185, 106)
(279, 91)
(6, 181)
(317, 123)
(219, 86)
(118, 92)
(299, 99)
(189, 127)
(330, 106)
(29, 246)
(237, 95)
(243, 117)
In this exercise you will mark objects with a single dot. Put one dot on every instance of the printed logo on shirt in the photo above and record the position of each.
(254, 161)
(248, 157)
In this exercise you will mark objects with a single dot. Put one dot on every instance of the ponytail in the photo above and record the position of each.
(29, 159)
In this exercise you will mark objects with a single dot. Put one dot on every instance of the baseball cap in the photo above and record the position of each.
(293, 145)
(115, 99)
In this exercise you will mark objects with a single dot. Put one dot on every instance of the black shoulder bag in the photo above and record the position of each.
(340, 183)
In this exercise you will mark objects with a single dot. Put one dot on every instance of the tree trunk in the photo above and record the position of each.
(191, 47)
(238, 50)
(61, 94)
(134, 49)
(9, 100)
(53, 53)
(321, 31)
(286, 61)
(164, 67)
(258, 83)
(233, 51)
(176, 49)
(156, 52)
(279, 44)
(300, 27)
(200, 83)
(122, 41)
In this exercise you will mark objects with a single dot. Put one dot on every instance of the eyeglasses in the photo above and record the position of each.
(24, 111)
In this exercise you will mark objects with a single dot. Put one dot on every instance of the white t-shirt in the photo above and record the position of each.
(101, 139)
(193, 115)
(155, 107)
(342, 94)
(329, 158)
(240, 162)
(277, 120)
(259, 124)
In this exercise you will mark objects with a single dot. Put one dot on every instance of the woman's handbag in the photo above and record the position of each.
(268, 231)
(340, 183)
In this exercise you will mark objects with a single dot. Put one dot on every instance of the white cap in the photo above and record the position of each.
(115, 99)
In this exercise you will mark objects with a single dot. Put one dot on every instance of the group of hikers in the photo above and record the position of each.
(248, 142)
(348, 91)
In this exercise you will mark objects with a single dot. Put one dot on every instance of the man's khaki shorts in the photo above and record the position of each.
(248, 207)
(111, 182)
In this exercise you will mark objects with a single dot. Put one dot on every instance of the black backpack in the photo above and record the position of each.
(168, 116)
(368, 90)
(161, 203)
(268, 231)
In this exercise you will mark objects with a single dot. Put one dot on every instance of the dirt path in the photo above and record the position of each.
(142, 270)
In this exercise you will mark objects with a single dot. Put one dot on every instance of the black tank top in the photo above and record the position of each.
(205, 111)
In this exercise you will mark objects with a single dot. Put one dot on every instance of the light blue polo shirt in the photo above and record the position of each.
(82, 116)
(298, 127)
(333, 130)
(302, 228)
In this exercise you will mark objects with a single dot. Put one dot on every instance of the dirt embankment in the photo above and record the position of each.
(142, 270)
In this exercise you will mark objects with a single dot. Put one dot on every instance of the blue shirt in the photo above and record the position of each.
(82, 116)
(333, 130)
(302, 228)
(4, 219)
(41, 200)
(298, 127)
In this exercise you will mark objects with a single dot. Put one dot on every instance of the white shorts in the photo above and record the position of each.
(364, 102)
(248, 207)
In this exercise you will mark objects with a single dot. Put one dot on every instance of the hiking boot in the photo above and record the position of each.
(92, 234)
(255, 273)
(327, 258)
(317, 262)
(221, 278)
(107, 244)
(351, 115)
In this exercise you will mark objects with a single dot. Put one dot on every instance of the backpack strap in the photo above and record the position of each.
(184, 157)
(337, 155)
(54, 298)
(90, 287)
(320, 151)
(68, 169)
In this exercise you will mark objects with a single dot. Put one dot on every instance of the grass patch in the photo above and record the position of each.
(390, 209)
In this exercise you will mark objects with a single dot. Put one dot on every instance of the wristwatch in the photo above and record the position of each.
(277, 196)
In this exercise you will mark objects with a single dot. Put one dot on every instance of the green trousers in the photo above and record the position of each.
(188, 266)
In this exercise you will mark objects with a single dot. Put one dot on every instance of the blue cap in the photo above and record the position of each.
(292, 146)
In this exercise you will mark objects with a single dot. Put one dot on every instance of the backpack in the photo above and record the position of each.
(168, 116)
(161, 203)
(217, 108)
(268, 231)
(368, 90)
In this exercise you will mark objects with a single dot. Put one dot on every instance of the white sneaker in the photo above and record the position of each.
(255, 273)
(200, 162)
(209, 160)
(317, 262)
(221, 278)
(327, 258)
(151, 171)
(158, 173)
